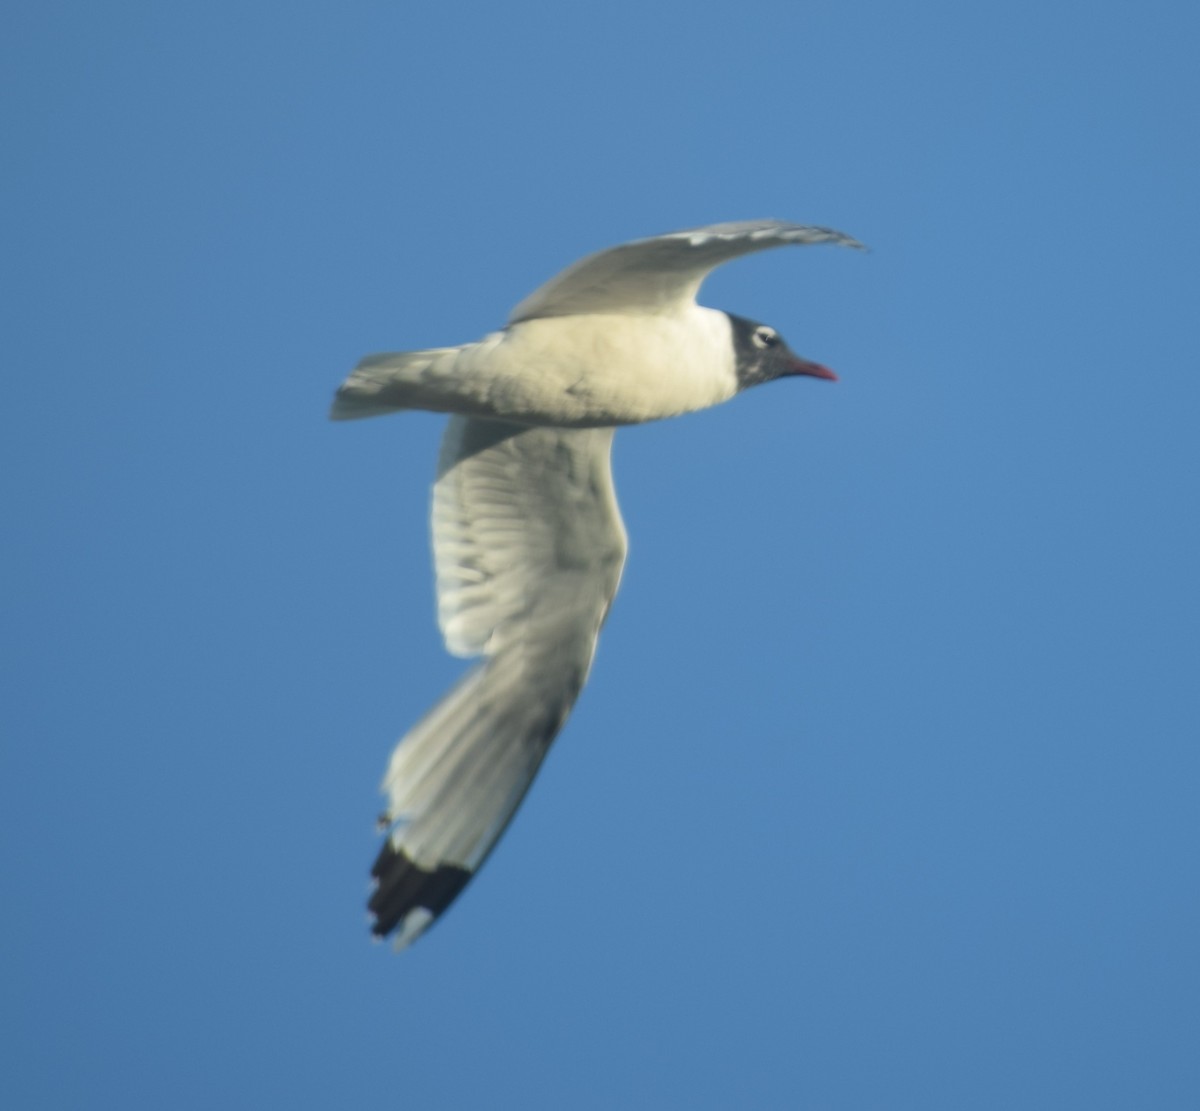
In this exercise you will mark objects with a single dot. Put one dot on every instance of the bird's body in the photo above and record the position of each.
(528, 540)
(540, 371)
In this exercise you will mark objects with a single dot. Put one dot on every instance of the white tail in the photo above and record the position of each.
(388, 382)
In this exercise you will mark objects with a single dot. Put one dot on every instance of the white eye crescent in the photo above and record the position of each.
(765, 337)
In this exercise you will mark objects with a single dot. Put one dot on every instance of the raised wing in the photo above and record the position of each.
(656, 274)
(529, 546)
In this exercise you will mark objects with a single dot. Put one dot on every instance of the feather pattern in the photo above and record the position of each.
(529, 546)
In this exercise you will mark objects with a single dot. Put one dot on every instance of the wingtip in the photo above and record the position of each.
(407, 898)
(841, 239)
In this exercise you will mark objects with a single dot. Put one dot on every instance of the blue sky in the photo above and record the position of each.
(883, 793)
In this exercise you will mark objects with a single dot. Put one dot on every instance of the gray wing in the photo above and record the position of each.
(656, 274)
(528, 546)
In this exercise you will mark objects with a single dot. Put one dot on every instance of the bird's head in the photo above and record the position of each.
(761, 355)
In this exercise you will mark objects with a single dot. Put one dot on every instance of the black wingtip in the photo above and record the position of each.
(403, 887)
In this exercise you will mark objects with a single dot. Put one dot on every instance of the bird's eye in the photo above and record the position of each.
(765, 337)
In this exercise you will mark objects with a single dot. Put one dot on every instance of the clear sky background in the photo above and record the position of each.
(884, 791)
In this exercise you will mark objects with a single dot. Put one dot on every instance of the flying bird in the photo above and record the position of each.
(528, 542)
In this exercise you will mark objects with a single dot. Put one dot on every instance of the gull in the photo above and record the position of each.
(528, 543)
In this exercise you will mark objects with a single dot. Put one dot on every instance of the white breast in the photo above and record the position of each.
(598, 369)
